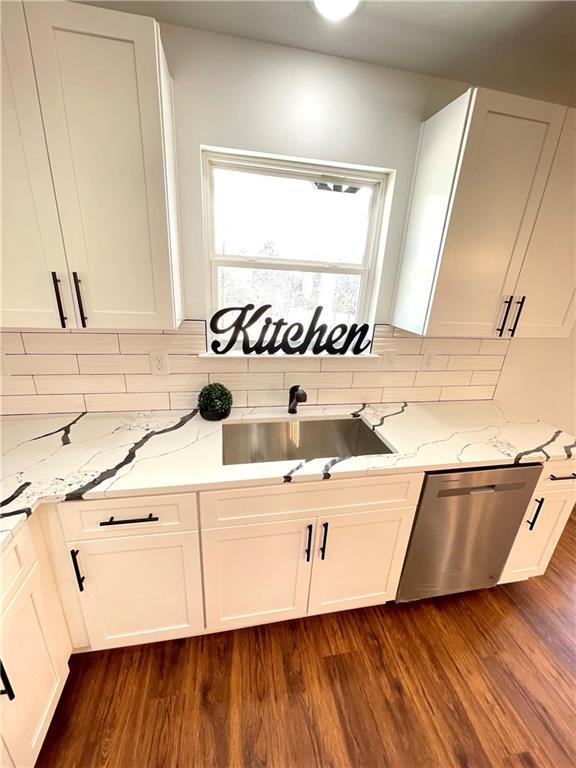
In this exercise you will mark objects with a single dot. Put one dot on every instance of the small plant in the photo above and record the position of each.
(215, 402)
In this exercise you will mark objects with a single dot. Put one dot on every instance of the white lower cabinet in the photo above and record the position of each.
(34, 669)
(539, 533)
(358, 559)
(254, 574)
(139, 589)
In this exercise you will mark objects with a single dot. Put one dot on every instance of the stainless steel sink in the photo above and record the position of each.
(249, 442)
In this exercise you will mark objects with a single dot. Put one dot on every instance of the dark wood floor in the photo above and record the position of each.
(481, 679)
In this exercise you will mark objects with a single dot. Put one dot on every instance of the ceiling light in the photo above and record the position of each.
(336, 10)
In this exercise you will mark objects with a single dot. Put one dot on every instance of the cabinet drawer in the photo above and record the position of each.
(17, 561)
(244, 506)
(123, 517)
(558, 476)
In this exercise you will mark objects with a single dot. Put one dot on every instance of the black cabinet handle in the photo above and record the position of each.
(520, 303)
(308, 549)
(508, 303)
(563, 477)
(324, 540)
(77, 282)
(56, 283)
(539, 505)
(150, 519)
(7, 689)
(79, 578)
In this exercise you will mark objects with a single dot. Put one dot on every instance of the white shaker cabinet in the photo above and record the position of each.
(33, 257)
(481, 172)
(105, 99)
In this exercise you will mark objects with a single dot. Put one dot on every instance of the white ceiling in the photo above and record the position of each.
(526, 47)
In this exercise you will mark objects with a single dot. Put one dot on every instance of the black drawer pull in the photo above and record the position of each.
(520, 303)
(61, 314)
(150, 519)
(508, 302)
(79, 578)
(564, 477)
(308, 549)
(77, 282)
(539, 505)
(324, 541)
(7, 689)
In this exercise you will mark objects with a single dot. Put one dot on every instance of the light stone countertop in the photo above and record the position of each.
(101, 455)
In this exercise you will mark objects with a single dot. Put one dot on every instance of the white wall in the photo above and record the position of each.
(241, 94)
(539, 377)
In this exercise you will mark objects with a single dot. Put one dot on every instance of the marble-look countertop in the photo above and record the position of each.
(101, 455)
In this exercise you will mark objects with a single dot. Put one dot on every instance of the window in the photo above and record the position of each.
(292, 234)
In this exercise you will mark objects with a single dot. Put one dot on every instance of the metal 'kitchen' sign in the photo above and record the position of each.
(280, 336)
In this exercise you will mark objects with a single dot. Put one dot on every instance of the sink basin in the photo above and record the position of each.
(249, 441)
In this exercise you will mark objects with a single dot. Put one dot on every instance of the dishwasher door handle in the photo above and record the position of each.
(483, 489)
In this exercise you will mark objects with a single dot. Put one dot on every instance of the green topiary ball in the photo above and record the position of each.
(215, 401)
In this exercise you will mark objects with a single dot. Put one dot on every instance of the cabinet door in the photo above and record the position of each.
(140, 589)
(539, 533)
(32, 247)
(358, 559)
(547, 278)
(255, 574)
(98, 80)
(35, 670)
(507, 155)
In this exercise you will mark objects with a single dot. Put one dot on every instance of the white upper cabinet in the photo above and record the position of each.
(105, 99)
(32, 249)
(483, 166)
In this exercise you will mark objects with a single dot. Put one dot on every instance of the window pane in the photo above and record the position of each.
(293, 295)
(287, 218)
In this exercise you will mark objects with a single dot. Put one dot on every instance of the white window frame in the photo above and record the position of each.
(371, 267)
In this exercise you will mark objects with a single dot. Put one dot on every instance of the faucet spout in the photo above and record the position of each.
(296, 395)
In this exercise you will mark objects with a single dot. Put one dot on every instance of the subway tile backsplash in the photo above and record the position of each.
(63, 371)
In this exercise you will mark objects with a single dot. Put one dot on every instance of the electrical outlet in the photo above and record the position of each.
(159, 363)
(429, 360)
(388, 361)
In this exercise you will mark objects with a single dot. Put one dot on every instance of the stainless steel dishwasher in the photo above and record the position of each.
(465, 525)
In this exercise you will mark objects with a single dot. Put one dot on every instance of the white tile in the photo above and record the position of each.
(452, 346)
(405, 334)
(467, 393)
(384, 379)
(42, 404)
(432, 361)
(442, 378)
(79, 383)
(189, 400)
(494, 346)
(144, 343)
(351, 363)
(114, 363)
(398, 345)
(149, 401)
(42, 363)
(283, 363)
(383, 331)
(278, 397)
(194, 327)
(17, 385)
(410, 394)
(475, 362)
(403, 363)
(70, 343)
(485, 377)
(330, 396)
(249, 380)
(174, 382)
(324, 380)
(210, 364)
(11, 343)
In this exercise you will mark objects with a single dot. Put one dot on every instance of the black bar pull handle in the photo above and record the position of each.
(324, 541)
(308, 549)
(56, 283)
(521, 301)
(79, 578)
(563, 477)
(150, 519)
(7, 689)
(77, 282)
(539, 505)
(508, 303)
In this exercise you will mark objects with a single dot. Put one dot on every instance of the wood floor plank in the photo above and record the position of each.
(479, 680)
